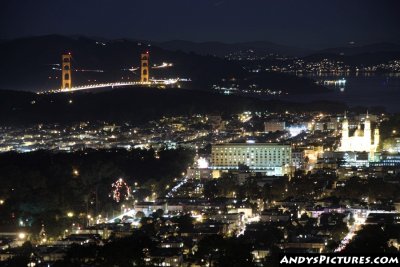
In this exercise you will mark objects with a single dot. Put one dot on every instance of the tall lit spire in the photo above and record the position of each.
(345, 134)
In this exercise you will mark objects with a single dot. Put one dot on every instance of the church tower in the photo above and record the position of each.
(144, 68)
(345, 134)
(66, 79)
(376, 138)
(367, 130)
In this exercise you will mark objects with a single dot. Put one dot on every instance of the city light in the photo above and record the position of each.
(22, 235)
(75, 172)
(120, 190)
(202, 163)
(216, 149)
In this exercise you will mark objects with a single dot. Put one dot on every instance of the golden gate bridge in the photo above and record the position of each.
(66, 78)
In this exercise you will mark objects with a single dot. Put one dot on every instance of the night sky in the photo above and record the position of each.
(307, 23)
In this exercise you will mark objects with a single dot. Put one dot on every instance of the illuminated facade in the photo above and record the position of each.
(269, 158)
(144, 68)
(200, 170)
(361, 140)
(66, 79)
(274, 126)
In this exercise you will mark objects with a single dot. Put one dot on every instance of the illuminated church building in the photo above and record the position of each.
(361, 141)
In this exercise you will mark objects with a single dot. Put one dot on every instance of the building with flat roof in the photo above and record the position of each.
(267, 158)
(274, 126)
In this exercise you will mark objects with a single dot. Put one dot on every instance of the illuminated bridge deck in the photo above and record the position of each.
(112, 85)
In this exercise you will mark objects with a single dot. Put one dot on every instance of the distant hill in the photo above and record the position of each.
(222, 49)
(360, 55)
(364, 49)
(33, 63)
(136, 105)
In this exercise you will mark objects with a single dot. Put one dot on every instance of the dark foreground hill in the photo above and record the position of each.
(136, 105)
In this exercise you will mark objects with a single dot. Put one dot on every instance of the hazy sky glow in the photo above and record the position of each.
(293, 22)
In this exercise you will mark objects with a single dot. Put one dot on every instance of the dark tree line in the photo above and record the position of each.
(41, 187)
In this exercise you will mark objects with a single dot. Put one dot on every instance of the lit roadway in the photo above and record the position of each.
(112, 85)
(359, 222)
(242, 229)
(129, 213)
(176, 187)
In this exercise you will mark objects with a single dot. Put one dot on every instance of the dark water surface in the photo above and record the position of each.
(362, 90)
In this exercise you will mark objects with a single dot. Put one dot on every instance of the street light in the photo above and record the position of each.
(21, 235)
(75, 172)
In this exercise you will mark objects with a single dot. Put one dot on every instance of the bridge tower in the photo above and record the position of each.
(144, 67)
(66, 79)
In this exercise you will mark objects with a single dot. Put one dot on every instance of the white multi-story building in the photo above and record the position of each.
(267, 158)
